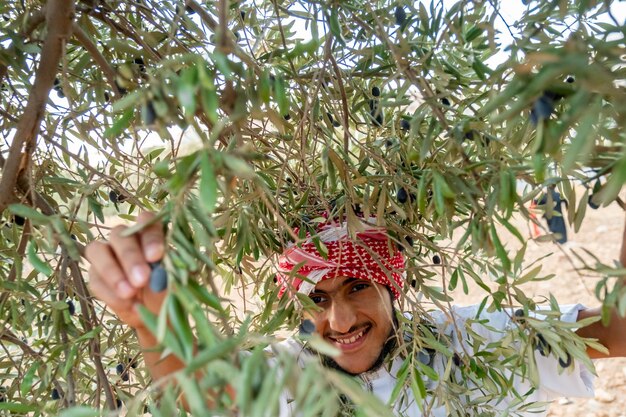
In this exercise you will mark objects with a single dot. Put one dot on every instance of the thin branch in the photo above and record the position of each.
(21, 250)
(34, 20)
(344, 104)
(9, 336)
(108, 71)
(59, 18)
(89, 318)
(212, 24)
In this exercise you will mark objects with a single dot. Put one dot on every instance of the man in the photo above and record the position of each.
(354, 287)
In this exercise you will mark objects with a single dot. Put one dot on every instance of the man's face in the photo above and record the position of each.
(356, 318)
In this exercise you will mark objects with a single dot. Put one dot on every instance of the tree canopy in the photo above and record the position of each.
(244, 124)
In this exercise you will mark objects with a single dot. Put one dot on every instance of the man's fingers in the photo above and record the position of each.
(105, 269)
(152, 238)
(130, 256)
(124, 308)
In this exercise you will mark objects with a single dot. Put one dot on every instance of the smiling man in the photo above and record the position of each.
(355, 285)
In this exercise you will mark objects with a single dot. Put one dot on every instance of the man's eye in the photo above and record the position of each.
(317, 298)
(360, 286)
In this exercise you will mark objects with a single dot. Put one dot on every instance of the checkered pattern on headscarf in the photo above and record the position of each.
(371, 256)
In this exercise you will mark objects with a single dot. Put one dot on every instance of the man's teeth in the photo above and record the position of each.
(351, 339)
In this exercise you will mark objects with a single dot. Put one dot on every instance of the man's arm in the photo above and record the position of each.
(613, 336)
(119, 275)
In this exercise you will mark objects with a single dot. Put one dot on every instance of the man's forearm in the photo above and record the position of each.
(158, 367)
(613, 337)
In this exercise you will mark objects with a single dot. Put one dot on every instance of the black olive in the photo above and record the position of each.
(243, 15)
(436, 260)
(591, 203)
(376, 91)
(119, 368)
(469, 135)
(140, 64)
(118, 403)
(287, 116)
(158, 277)
(542, 109)
(19, 220)
(107, 98)
(307, 327)
(456, 359)
(148, 113)
(113, 196)
(55, 394)
(414, 283)
(402, 195)
(334, 122)
(405, 125)
(542, 345)
(70, 307)
(132, 363)
(567, 362)
(400, 15)
(445, 101)
(570, 79)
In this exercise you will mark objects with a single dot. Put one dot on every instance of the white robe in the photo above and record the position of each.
(575, 381)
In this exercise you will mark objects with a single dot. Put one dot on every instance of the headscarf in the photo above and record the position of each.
(371, 256)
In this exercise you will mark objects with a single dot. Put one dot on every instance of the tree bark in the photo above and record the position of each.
(59, 16)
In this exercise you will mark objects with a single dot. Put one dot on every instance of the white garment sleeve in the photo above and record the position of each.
(576, 381)
(554, 381)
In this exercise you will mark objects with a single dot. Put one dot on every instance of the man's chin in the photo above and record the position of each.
(388, 347)
(331, 363)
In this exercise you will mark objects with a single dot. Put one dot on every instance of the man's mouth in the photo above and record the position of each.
(352, 340)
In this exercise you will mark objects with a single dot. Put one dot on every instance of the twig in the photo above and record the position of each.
(344, 104)
(21, 250)
(89, 314)
(108, 71)
(212, 24)
(71, 383)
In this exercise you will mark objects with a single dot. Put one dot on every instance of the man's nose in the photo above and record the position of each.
(341, 317)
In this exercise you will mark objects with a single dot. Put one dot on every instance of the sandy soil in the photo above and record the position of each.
(601, 234)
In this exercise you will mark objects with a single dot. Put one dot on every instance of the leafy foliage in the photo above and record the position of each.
(241, 123)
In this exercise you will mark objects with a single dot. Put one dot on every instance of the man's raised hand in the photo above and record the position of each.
(120, 272)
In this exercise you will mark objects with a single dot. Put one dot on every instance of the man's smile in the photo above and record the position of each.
(352, 340)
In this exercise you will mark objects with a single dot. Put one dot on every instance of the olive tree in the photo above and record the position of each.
(245, 125)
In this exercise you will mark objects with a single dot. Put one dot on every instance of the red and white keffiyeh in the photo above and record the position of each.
(371, 256)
